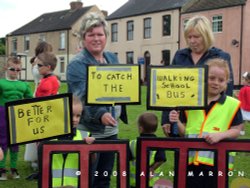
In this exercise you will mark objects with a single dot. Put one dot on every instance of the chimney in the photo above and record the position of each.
(76, 5)
(105, 13)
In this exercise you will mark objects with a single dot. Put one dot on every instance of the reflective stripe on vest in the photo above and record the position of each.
(153, 179)
(70, 168)
(198, 125)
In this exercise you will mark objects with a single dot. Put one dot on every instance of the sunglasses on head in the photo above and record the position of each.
(13, 69)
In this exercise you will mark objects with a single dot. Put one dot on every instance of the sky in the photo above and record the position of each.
(16, 13)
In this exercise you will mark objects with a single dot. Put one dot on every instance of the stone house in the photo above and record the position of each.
(150, 31)
(57, 28)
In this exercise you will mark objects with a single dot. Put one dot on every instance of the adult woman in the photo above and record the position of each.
(96, 119)
(199, 39)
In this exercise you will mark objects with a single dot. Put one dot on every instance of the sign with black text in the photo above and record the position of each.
(113, 84)
(177, 87)
(40, 118)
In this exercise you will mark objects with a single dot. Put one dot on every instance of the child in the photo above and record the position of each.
(49, 83)
(63, 163)
(30, 149)
(220, 120)
(40, 48)
(10, 89)
(147, 126)
(244, 97)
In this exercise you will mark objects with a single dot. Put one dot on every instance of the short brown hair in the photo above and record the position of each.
(148, 121)
(13, 59)
(48, 58)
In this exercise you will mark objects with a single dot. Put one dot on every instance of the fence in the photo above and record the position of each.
(180, 146)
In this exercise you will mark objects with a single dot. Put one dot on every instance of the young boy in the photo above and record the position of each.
(49, 83)
(147, 126)
(220, 120)
(63, 163)
(11, 89)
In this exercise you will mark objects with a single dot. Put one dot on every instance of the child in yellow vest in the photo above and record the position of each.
(221, 119)
(63, 165)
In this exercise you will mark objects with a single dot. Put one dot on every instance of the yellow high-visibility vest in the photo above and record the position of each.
(64, 171)
(200, 124)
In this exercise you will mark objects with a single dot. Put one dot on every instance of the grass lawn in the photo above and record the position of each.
(129, 131)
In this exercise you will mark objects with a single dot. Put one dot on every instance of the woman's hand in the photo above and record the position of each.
(108, 120)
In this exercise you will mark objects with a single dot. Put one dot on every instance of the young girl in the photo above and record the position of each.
(11, 89)
(220, 120)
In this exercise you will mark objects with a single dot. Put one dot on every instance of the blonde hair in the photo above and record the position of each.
(76, 101)
(92, 20)
(203, 26)
(221, 63)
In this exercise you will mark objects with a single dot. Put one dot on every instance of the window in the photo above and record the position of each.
(166, 22)
(166, 57)
(42, 37)
(62, 41)
(185, 23)
(14, 45)
(147, 28)
(26, 43)
(130, 30)
(114, 32)
(130, 57)
(217, 23)
(62, 64)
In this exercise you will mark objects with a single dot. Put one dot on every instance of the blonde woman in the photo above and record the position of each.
(199, 38)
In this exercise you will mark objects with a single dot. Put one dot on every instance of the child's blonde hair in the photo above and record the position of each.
(221, 63)
(76, 101)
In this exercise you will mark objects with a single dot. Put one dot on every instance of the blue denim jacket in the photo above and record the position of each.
(76, 80)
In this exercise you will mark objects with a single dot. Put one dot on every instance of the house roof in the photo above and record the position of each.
(202, 5)
(53, 21)
(140, 7)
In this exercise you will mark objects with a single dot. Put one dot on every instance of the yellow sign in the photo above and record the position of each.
(175, 87)
(40, 118)
(113, 84)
